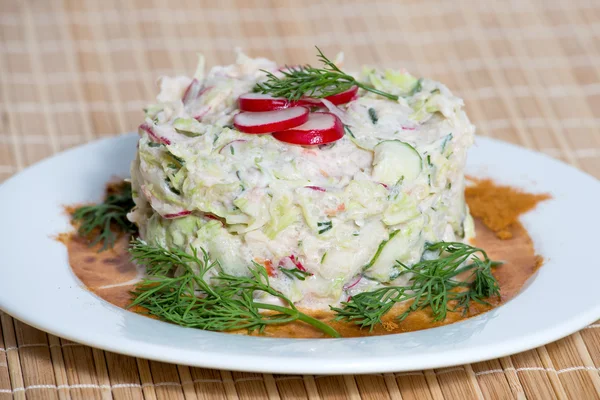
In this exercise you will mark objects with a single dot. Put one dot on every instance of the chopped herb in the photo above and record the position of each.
(323, 258)
(105, 221)
(230, 126)
(449, 185)
(324, 226)
(417, 88)
(446, 140)
(178, 161)
(355, 234)
(295, 273)
(237, 173)
(429, 160)
(172, 188)
(434, 209)
(349, 131)
(373, 115)
(231, 150)
(429, 179)
(154, 144)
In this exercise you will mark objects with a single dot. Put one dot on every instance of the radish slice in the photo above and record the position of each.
(321, 128)
(354, 283)
(343, 97)
(152, 135)
(194, 91)
(177, 215)
(316, 188)
(297, 263)
(257, 102)
(270, 121)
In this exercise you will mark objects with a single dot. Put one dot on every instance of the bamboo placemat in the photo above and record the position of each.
(73, 71)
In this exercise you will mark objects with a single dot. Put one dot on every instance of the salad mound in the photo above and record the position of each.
(333, 195)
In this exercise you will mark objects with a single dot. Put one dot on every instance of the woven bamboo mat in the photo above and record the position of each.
(73, 71)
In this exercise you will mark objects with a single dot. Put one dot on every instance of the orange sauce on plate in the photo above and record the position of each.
(110, 275)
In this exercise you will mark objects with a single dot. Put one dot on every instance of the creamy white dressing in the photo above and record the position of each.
(250, 197)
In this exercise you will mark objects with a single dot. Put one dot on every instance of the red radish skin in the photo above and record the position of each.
(213, 217)
(258, 102)
(316, 188)
(192, 91)
(344, 97)
(202, 114)
(336, 99)
(297, 263)
(270, 121)
(177, 215)
(351, 285)
(153, 136)
(321, 128)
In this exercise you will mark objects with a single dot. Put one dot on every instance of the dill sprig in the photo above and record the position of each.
(305, 80)
(105, 221)
(432, 285)
(177, 290)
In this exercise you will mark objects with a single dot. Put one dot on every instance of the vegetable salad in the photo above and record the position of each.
(326, 222)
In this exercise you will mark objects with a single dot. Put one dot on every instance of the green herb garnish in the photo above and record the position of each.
(323, 257)
(295, 273)
(308, 81)
(432, 285)
(172, 188)
(349, 131)
(188, 299)
(417, 87)
(105, 221)
(373, 115)
(324, 226)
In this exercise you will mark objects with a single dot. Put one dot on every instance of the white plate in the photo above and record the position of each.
(37, 286)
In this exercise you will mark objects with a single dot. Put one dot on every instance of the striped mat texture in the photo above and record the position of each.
(73, 71)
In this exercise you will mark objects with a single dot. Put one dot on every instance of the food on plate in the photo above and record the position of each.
(254, 186)
(264, 194)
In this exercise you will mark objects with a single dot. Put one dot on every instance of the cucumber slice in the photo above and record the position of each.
(396, 161)
(383, 267)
